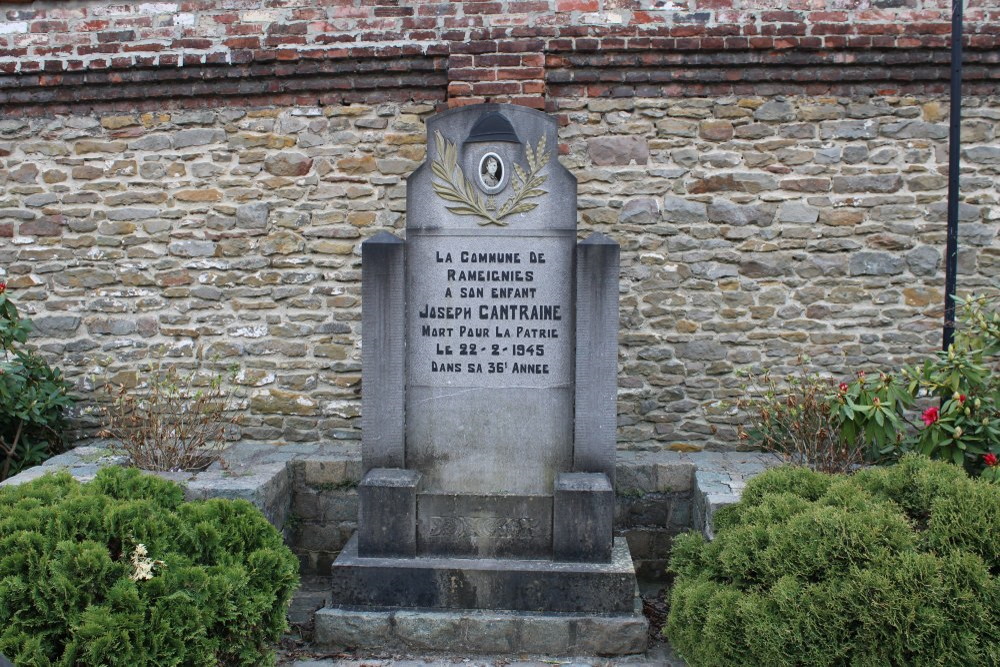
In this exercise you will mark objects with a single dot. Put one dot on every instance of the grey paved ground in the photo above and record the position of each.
(659, 655)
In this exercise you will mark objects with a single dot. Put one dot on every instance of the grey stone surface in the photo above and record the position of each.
(388, 514)
(475, 632)
(198, 137)
(266, 486)
(596, 378)
(618, 150)
(775, 111)
(382, 363)
(680, 210)
(489, 405)
(484, 583)
(642, 211)
(875, 264)
(253, 215)
(583, 517)
(797, 211)
(192, 248)
(723, 210)
(923, 260)
(982, 154)
(485, 525)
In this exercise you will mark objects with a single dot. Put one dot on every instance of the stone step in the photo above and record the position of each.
(481, 632)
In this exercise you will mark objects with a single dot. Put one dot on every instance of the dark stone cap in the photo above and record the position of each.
(492, 127)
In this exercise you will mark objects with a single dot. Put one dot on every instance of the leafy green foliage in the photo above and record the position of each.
(890, 566)
(872, 411)
(812, 423)
(33, 396)
(966, 382)
(799, 418)
(69, 592)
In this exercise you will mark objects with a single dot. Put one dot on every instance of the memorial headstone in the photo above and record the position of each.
(489, 382)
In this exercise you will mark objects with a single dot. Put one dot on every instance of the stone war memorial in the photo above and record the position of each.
(489, 382)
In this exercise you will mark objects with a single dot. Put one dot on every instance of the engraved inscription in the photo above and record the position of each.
(492, 311)
(521, 528)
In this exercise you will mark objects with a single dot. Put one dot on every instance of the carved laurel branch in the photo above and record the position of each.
(457, 188)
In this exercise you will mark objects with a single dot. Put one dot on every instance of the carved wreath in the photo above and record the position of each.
(468, 201)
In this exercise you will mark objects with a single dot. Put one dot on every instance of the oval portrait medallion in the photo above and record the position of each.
(492, 173)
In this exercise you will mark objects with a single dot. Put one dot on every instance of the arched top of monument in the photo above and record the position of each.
(491, 167)
(492, 126)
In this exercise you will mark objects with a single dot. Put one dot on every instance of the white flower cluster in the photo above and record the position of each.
(143, 565)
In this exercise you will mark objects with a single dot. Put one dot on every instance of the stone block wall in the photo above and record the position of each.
(189, 182)
(753, 230)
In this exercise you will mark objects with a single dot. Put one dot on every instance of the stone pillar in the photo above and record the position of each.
(583, 513)
(383, 311)
(387, 523)
(596, 422)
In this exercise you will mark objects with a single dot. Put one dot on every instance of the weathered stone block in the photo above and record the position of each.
(198, 137)
(288, 163)
(618, 150)
(388, 513)
(875, 264)
(643, 211)
(582, 517)
(680, 210)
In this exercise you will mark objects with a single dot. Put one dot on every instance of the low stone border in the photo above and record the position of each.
(309, 492)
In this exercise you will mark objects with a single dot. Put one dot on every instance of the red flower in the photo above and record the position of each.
(3, 287)
(843, 387)
(930, 416)
(990, 459)
(961, 398)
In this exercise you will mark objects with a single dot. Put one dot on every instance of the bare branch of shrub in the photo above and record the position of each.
(173, 422)
(796, 419)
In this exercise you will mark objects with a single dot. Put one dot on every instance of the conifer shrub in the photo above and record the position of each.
(121, 571)
(890, 566)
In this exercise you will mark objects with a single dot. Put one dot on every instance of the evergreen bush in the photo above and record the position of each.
(890, 566)
(33, 396)
(120, 571)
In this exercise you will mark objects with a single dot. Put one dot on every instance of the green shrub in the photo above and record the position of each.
(890, 566)
(965, 426)
(120, 571)
(33, 396)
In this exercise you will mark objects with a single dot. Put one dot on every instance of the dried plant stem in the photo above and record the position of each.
(171, 424)
(795, 418)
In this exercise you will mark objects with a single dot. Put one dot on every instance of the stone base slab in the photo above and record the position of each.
(481, 632)
(485, 583)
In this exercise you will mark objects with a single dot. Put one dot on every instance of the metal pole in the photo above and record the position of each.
(954, 148)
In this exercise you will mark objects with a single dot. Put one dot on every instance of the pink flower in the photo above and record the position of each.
(843, 387)
(930, 416)
(990, 459)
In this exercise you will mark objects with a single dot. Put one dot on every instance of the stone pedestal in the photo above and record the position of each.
(485, 583)
(387, 513)
(489, 362)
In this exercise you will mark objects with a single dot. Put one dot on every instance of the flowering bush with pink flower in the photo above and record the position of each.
(948, 408)
(964, 427)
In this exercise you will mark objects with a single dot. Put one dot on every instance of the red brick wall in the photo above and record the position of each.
(197, 53)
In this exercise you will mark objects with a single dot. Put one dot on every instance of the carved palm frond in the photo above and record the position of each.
(455, 187)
